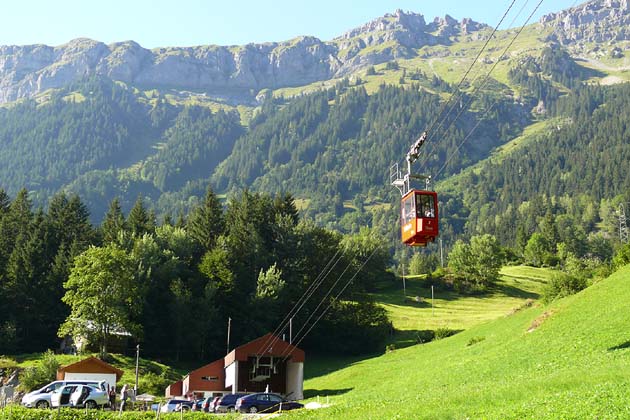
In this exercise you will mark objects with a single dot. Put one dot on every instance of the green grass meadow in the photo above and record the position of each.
(567, 360)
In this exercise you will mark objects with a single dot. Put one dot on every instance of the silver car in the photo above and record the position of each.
(40, 398)
(79, 396)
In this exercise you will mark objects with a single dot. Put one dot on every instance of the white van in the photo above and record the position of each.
(40, 398)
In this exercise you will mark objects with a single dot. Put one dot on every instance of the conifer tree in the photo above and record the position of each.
(207, 222)
(5, 202)
(138, 220)
(114, 222)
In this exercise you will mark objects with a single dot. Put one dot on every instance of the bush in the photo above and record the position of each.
(622, 257)
(475, 340)
(35, 377)
(49, 366)
(443, 332)
(561, 285)
(7, 363)
(153, 384)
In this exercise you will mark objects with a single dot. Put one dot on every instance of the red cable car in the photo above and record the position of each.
(419, 217)
(418, 208)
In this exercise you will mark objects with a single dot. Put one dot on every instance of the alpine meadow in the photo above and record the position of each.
(416, 219)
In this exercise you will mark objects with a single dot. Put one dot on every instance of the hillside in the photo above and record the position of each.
(413, 312)
(565, 360)
(134, 126)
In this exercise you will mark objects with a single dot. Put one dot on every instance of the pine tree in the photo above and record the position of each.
(113, 223)
(5, 202)
(138, 220)
(15, 222)
(207, 222)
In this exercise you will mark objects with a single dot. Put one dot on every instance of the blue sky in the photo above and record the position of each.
(155, 23)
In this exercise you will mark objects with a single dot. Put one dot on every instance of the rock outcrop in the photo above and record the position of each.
(595, 21)
(26, 71)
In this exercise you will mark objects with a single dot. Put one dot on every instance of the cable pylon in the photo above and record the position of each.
(623, 226)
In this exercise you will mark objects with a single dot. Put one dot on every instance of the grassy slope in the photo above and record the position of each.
(575, 364)
(450, 310)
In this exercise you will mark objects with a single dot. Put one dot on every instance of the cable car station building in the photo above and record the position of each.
(264, 364)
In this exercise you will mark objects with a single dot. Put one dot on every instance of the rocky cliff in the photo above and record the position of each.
(26, 71)
(595, 21)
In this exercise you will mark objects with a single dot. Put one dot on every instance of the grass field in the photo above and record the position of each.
(567, 360)
(416, 311)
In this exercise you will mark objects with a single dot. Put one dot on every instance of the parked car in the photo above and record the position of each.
(264, 403)
(227, 403)
(79, 396)
(40, 398)
(175, 404)
(208, 404)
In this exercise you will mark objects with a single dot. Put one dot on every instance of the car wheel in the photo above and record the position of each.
(90, 404)
(253, 409)
(231, 410)
(42, 404)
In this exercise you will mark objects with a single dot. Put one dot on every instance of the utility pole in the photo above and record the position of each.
(403, 279)
(441, 254)
(228, 335)
(291, 330)
(432, 306)
(135, 389)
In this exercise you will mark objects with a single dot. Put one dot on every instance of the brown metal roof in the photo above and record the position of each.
(267, 345)
(90, 365)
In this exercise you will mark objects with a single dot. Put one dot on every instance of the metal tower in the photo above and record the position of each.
(623, 227)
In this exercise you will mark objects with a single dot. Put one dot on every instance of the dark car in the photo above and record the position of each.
(227, 403)
(264, 403)
(176, 404)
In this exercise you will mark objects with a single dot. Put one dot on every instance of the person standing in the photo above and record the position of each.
(112, 398)
(124, 394)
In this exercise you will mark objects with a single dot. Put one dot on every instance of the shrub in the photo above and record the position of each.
(153, 384)
(561, 285)
(49, 366)
(475, 340)
(35, 377)
(7, 363)
(622, 257)
(392, 65)
(443, 332)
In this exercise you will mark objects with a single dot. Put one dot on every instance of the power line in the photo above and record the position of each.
(477, 75)
(461, 82)
(270, 341)
(483, 85)
(284, 357)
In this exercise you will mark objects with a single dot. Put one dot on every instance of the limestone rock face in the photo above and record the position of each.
(26, 71)
(595, 21)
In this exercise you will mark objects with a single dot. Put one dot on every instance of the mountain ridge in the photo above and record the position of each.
(26, 71)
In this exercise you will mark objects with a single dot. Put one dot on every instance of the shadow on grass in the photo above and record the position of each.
(532, 279)
(417, 297)
(407, 338)
(625, 345)
(512, 291)
(323, 364)
(311, 393)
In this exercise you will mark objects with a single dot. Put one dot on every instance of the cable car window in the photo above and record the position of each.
(425, 205)
(408, 210)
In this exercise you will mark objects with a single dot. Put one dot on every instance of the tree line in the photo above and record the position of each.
(173, 285)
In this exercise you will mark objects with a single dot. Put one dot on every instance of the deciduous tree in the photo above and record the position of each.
(102, 294)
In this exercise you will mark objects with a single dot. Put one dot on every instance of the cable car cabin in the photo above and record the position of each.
(419, 217)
